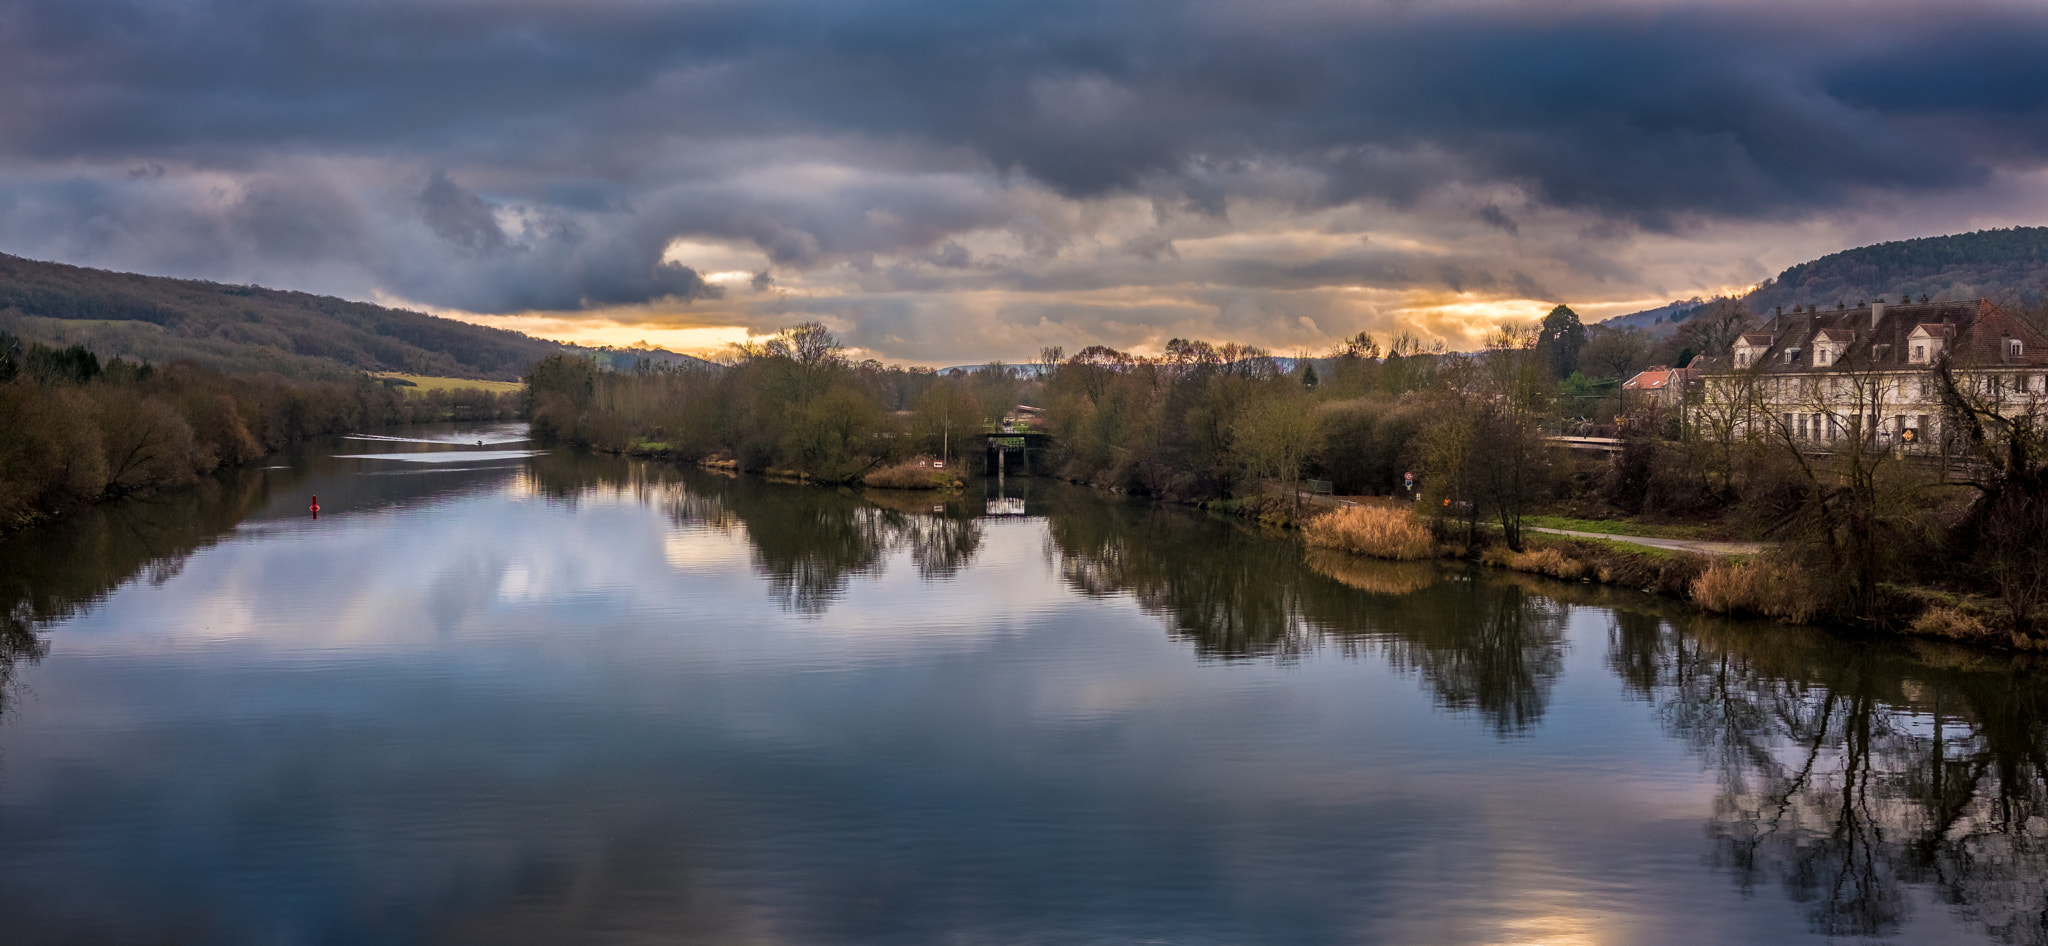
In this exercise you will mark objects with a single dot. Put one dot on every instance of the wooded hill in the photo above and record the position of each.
(248, 329)
(2009, 267)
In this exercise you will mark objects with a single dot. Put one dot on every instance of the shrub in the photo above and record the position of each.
(917, 473)
(1761, 585)
(1950, 622)
(1549, 561)
(1377, 531)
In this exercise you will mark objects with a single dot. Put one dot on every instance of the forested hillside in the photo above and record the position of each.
(247, 330)
(2006, 266)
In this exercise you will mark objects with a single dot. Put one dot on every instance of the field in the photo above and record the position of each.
(423, 383)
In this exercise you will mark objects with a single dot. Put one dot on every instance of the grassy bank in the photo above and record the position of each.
(1765, 585)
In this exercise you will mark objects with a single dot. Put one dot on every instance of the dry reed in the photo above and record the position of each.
(917, 473)
(1372, 530)
(1759, 585)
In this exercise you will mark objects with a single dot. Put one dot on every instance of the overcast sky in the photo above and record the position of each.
(946, 182)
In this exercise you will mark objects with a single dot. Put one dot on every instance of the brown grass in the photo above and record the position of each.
(915, 473)
(1372, 530)
(1615, 563)
(1952, 623)
(1759, 585)
(1549, 561)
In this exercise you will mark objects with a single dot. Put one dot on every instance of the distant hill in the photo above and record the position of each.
(1659, 320)
(247, 329)
(2005, 266)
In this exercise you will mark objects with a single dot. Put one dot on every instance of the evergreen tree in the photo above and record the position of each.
(1559, 341)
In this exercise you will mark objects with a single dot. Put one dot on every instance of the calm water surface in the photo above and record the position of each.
(494, 695)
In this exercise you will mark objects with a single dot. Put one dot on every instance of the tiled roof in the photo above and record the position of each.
(1976, 331)
(1658, 377)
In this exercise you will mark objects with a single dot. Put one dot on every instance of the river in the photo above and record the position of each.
(492, 694)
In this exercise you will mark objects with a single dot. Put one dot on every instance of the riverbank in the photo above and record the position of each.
(1744, 579)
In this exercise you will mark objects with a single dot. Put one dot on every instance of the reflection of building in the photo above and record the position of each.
(1826, 375)
(1008, 506)
(1660, 386)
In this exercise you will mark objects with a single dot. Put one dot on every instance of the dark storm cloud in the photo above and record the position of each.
(459, 216)
(1494, 217)
(612, 125)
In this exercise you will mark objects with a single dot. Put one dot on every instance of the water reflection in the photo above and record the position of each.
(1849, 772)
(808, 544)
(54, 572)
(1486, 647)
(1877, 789)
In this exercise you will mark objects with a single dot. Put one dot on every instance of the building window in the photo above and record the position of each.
(1742, 359)
(1919, 353)
(2015, 347)
(1821, 356)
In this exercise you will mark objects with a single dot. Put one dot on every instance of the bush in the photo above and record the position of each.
(1950, 622)
(1377, 531)
(916, 473)
(1761, 585)
(1548, 561)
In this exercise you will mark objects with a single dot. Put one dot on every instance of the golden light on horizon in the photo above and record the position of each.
(702, 341)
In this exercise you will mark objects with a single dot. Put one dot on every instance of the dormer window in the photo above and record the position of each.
(1742, 359)
(1820, 356)
(1919, 354)
(2013, 348)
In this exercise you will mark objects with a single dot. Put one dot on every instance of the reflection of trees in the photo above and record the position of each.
(1850, 774)
(1228, 592)
(19, 645)
(940, 546)
(1488, 647)
(51, 574)
(809, 543)
(1482, 647)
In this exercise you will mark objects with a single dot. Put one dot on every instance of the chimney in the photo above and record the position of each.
(1876, 314)
(1781, 310)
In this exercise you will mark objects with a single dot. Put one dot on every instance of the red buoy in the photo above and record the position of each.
(316, 507)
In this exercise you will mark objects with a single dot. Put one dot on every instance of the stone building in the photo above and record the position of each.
(1823, 375)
